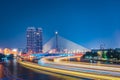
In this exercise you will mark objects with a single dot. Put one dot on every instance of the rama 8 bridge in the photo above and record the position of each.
(61, 45)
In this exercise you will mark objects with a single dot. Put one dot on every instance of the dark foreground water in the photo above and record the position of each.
(11, 70)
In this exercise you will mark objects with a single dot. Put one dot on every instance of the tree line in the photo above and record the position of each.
(109, 54)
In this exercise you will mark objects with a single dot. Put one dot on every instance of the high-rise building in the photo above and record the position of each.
(34, 39)
(38, 40)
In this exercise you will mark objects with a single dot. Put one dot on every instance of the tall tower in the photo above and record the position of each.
(34, 39)
(56, 41)
(30, 39)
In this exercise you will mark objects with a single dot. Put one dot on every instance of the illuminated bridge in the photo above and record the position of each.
(61, 45)
(39, 56)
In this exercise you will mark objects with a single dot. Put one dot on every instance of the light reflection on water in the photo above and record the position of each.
(1, 71)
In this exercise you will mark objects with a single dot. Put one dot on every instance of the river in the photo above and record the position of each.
(11, 70)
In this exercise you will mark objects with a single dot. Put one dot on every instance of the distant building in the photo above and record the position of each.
(1, 50)
(34, 40)
(117, 49)
(9, 51)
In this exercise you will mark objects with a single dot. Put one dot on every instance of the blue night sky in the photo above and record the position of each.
(86, 22)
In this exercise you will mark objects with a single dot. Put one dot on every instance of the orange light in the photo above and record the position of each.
(7, 51)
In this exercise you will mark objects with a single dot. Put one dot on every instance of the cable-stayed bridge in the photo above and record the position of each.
(62, 45)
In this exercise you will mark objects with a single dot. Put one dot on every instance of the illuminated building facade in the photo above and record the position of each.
(34, 40)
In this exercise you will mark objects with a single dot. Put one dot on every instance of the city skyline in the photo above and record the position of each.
(88, 23)
(59, 39)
